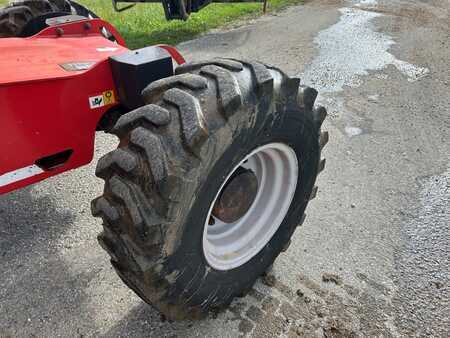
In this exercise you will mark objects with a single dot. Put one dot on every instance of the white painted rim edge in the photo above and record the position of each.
(276, 167)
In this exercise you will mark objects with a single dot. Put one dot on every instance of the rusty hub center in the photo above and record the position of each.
(237, 196)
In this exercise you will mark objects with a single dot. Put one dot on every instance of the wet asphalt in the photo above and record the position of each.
(373, 257)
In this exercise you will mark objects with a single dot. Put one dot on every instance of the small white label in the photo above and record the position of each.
(107, 49)
(96, 101)
(77, 66)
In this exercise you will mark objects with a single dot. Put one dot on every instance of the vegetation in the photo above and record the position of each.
(145, 24)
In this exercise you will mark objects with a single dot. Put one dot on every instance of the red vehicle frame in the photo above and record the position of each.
(66, 75)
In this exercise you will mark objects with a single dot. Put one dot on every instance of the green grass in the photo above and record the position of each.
(145, 24)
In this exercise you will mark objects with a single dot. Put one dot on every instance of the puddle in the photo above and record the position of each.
(353, 131)
(367, 3)
(351, 48)
(373, 98)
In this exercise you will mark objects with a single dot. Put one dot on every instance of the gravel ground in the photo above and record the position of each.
(372, 258)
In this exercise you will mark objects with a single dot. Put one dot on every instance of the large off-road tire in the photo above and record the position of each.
(174, 156)
(22, 18)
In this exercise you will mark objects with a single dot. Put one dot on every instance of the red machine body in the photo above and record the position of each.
(54, 89)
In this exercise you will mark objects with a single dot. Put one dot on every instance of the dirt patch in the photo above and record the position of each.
(330, 309)
(331, 278)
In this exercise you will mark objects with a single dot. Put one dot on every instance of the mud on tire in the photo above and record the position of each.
(173, 156)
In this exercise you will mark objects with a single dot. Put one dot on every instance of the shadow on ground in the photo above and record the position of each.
(34, 278)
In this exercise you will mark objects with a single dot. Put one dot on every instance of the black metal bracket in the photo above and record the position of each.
(118, 9)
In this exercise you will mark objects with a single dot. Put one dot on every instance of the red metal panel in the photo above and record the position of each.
(44, 108)
(43, 118)
(174, 53)
(39, 58)
(83, 28)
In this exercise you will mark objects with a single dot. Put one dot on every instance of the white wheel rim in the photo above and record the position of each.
(230, 245)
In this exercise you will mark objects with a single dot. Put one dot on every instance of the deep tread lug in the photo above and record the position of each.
(153, 114)
(118, 158)
(264, 78)
(286, 246)
(101, 207)
(323, 139)
(307, 97)
(154, 152)
(293, 84)
(20, 15)
(15, 16)
(105, 243)
(123, 192)
(313, 193)
(322, 165)
(230, 97)
(192, 120)
(320, 113)
(37, 7)
(190, 81)
(302, 220)
(231, 65)
(147, 225)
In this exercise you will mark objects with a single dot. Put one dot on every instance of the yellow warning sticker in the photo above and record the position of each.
(107, 98)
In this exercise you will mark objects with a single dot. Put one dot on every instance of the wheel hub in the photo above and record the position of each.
(237, 196)
(250, 206)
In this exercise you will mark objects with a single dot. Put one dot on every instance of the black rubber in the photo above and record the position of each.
(21, 18)
(171, 160)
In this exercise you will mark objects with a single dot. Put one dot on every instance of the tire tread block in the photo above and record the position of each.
(230, 97)
(152, 114)
(190, 81)
(102, 207)
(155, 154)
(229, 64)
(193, 124)
(118, 158)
